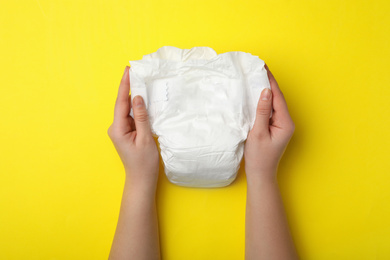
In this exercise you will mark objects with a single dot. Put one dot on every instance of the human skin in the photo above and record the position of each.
(136, 235)
(267, 234)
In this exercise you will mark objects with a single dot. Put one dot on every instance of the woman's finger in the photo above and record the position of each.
(141, 118)
(280, 113)
(263, 112)
(130, 119)
(122, 104)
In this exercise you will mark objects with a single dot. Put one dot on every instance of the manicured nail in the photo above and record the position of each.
(126, 69)
(138, 101)
(266, 94)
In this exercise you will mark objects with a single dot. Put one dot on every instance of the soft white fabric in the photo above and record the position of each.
(201, 106)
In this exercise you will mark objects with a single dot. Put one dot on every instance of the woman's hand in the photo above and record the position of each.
(133, 139)
(136, 235)
(267, 234)
(268, 138)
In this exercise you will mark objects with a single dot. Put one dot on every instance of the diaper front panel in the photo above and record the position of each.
(201, 110)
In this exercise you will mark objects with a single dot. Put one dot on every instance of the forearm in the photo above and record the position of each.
(136, 236)
(267, 234)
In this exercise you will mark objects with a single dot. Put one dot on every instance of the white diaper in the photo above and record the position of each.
(201, 106)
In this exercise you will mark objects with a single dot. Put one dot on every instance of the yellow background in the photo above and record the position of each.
(61, 179)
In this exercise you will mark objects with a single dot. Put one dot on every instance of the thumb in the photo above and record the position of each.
(141, 118)
(263, 113)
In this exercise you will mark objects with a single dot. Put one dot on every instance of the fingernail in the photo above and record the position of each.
(266, 94)
(138, 101)
(126, 69)
(125, 76)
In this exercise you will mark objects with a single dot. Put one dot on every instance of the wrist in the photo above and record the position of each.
(261, 176)
(142, 188)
